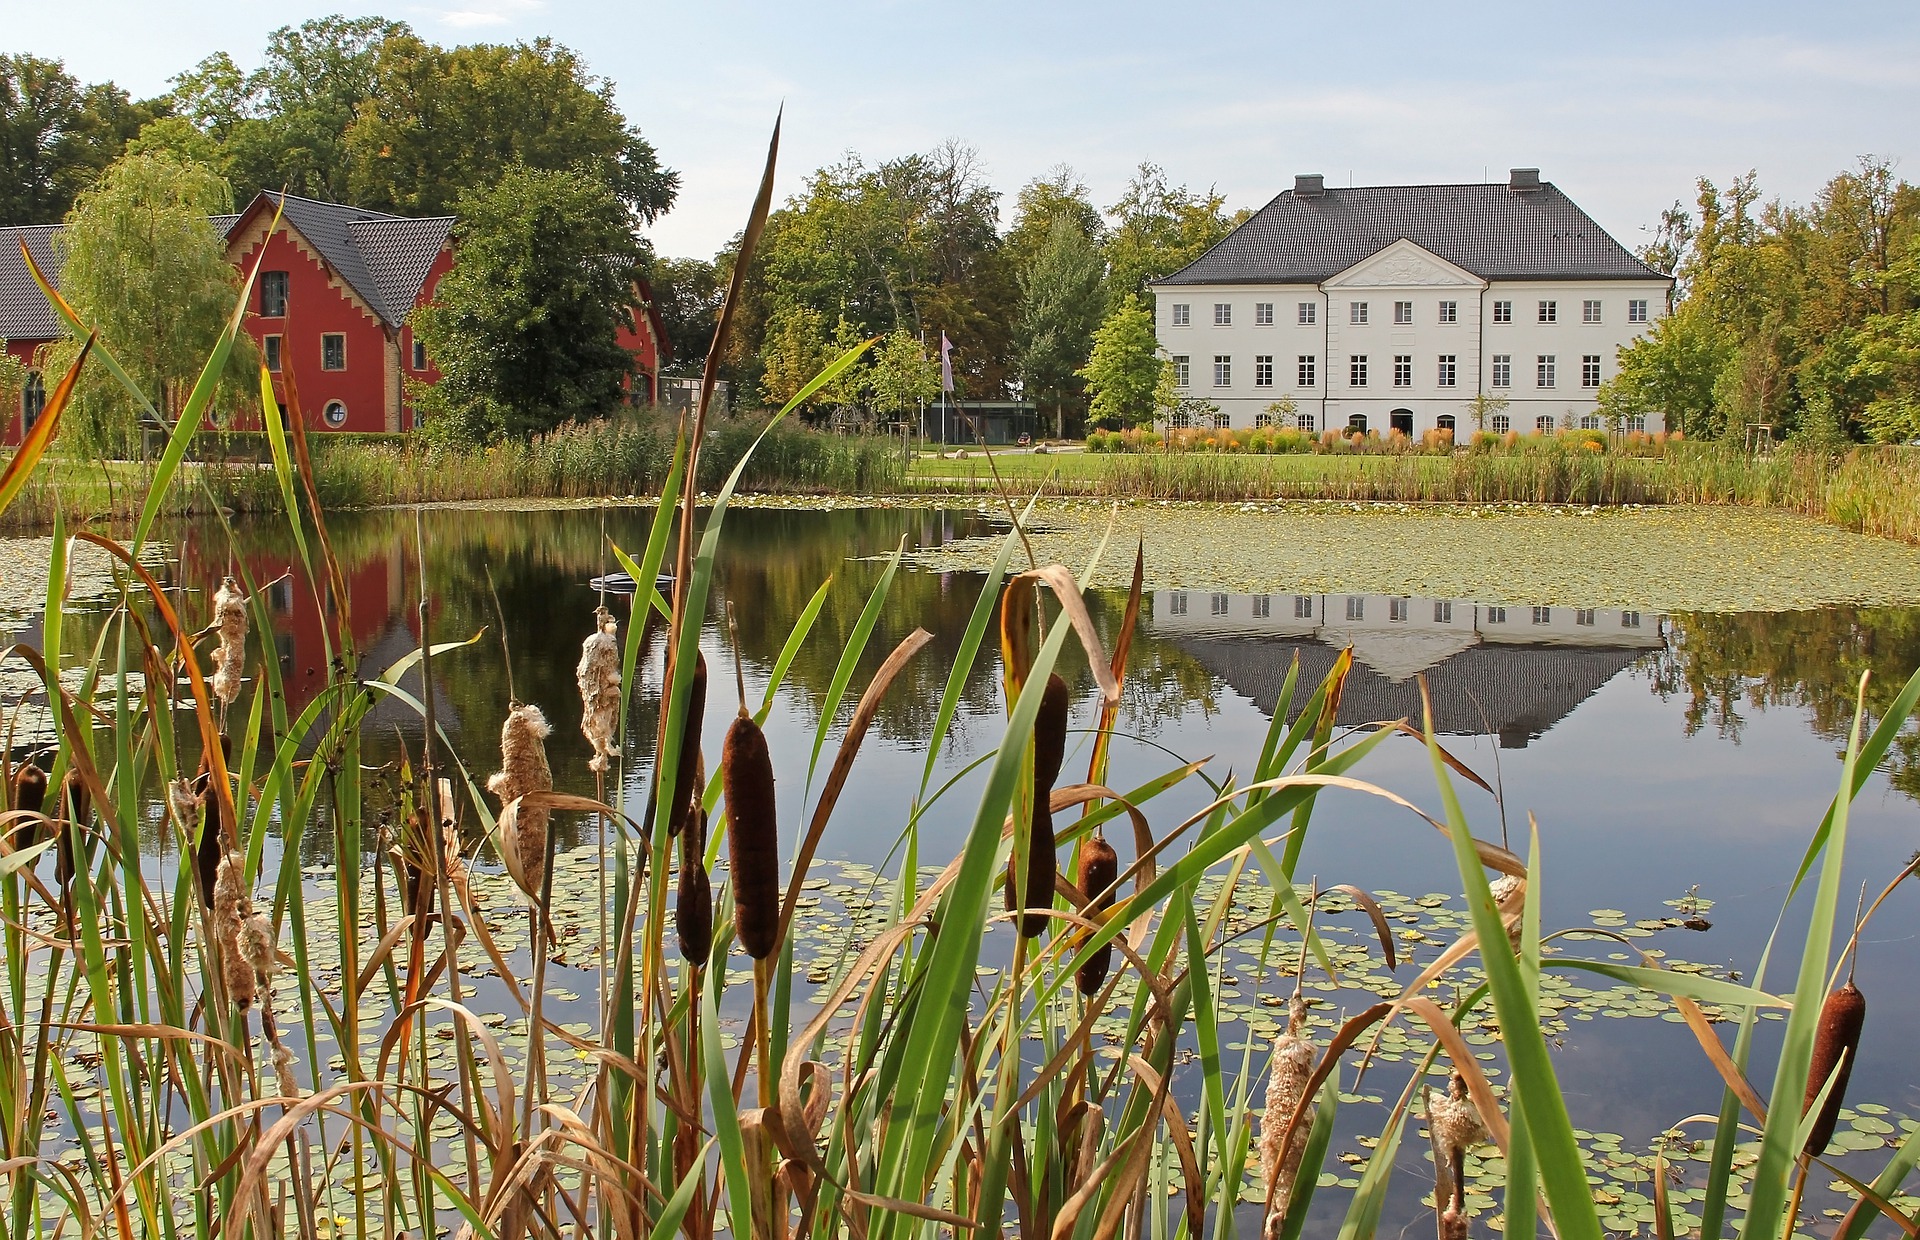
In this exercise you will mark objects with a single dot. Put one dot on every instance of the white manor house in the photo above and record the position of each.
(1391, 307)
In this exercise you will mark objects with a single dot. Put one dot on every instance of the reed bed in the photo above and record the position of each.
(314, 1054)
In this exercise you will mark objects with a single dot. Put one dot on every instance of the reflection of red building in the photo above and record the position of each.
(336, 288)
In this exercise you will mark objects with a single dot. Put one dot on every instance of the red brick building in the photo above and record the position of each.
(337, 285)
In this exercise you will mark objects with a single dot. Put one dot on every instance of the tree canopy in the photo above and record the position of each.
(56, 136)
(1127, 374)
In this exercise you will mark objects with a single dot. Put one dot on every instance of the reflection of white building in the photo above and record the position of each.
(1513, 670)
(1391, 307)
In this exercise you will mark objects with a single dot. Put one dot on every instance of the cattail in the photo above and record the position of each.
(1099, 866)
(693, 901)
(599, 679)
(1454, 1126)
(1286, 1086)
(1835, 1045)
(687, 785)
(230, 661)
(523, 769)
(76, 804)
(753, 836)
(232, 908)
(29, 796)
(1049, 750)
(283, 1072)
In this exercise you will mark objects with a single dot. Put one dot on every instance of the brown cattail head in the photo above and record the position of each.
(1049, 750)
(1835, 1044)
(29, 797)
(1293, 1053)
(232, 910)
(753, 836)
(599, 679)
(693, 901)
(76, 808)
(230, 661)
(523, 769)
(1099, 866)
(687, 784)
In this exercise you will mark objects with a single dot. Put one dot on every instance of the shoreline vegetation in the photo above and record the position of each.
(1866, 490)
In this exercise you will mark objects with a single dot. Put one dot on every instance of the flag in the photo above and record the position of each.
(946, 363)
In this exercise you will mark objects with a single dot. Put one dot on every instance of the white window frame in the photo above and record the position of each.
(1590, 310)
(1182, 370)
(1303, 607)
(1223, 370)
(1356, 607)
(1637, 310)
(1589, 421)
(1402, 313)
(1262, 421)
(1496, 615)
(1309, 313)
(1263, 370)
(1546, 370)
(1503, 370)
(1177, 603)
(1357, 312)
(1305, 421)
(1590, 370)
(1543, 615)
(1503, 312)
(1637, 423)
(1502, 423)
(1583, 616)
(1403, 370)
(1443, 611)
(1449, 312)
(1543, 425)
(1262, 606)
(1182, 314)
(1549, 312)
(1449, 374)
(1223, 314)
(1357, 370)
(1397, 609)
(1308, 370)
(1263, 314)
(1217, 604)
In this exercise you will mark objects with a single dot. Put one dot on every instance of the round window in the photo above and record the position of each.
(336, 413)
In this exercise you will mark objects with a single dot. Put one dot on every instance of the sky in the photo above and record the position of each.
(1622, 105)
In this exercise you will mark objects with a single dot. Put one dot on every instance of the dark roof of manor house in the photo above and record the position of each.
(385, 258)
(1515, 692)
(1518, 230)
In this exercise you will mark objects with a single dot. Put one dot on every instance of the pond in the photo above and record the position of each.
(1676, 762)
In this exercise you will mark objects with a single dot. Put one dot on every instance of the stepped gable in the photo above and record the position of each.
(24, 312)
(1517, 692)
(385, 258)
(1489, 230)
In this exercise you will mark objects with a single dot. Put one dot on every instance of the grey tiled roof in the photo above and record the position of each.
(1487, 229)
(24, 312)
(400, 252)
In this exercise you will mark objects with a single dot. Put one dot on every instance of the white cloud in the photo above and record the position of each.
(486, 13)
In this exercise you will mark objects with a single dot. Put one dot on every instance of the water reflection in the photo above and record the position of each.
(1506, 671)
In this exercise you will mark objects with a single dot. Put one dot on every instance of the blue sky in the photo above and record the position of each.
(1623, 104)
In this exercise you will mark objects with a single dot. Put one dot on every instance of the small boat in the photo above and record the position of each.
(623, 584)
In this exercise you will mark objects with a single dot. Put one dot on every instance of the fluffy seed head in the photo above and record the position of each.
(1099, 866)
(1286, 1086)
(753, 836)
(283, 1073)
(1835, 1043)
(232, 909)
(230, 661)
(523, 769)
(599, 679)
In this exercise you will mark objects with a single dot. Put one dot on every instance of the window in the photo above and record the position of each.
(1396, 609)
(1307, 370)
(1590, 422)
(1449, 369)
(1182, 369)
(1590, 370)
(1502, 423)
(1503, 312)
(1182, 314)
(1583, 616)
(1262, 421)
(1402, 312)
(1222, 422)
(1590, 311)
(1303, 607)
(1356, 607)
(1180, 420)
(1496, 615)
(1357, 312)
(1543, 374)
(33, 400)
(1449, 312)
(273, 294)
(1309, 313)
(1637, 310)
(1306, 421)
(1543, 615)
(1544, 424)
(1222, 370)
(1629, 619)
(1503, 370)
(1443, 611)
(1445, 423)
(1177, 603)
(1263, 370)
(1403, 370)
(333, 352)
(270, 352)
(1549, 312)
(1637, 423)
(1222, 314)
(1217, 604)
(335, 413)
(419, 355)
(1356, 424)
(1262, 606)
(1357, 370)
(1263, 314)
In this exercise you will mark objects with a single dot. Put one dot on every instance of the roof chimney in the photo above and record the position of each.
(1524, 180)
(1309, 185)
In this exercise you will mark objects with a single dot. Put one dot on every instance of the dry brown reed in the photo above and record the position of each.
(753, 836)
(599, 679)
(230, 661)
(1837, 1040)
(1099, 866)
(523, 769)
(1293, 1054)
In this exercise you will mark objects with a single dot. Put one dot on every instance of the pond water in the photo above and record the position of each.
(1663, 755)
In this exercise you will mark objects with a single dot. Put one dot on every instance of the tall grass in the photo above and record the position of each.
(944, 1083)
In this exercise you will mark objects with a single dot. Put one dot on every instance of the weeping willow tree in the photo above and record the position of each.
(146, 265)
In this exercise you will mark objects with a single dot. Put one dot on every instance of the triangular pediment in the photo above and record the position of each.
(1403, 264)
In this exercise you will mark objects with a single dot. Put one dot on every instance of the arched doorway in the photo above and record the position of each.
(1446, 423)
(1401, 420)
(1357, 424)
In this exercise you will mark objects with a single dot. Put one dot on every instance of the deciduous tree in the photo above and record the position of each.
(1127, 375)
(1063, 298)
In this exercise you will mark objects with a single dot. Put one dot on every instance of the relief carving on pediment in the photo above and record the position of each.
(1402, 269)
